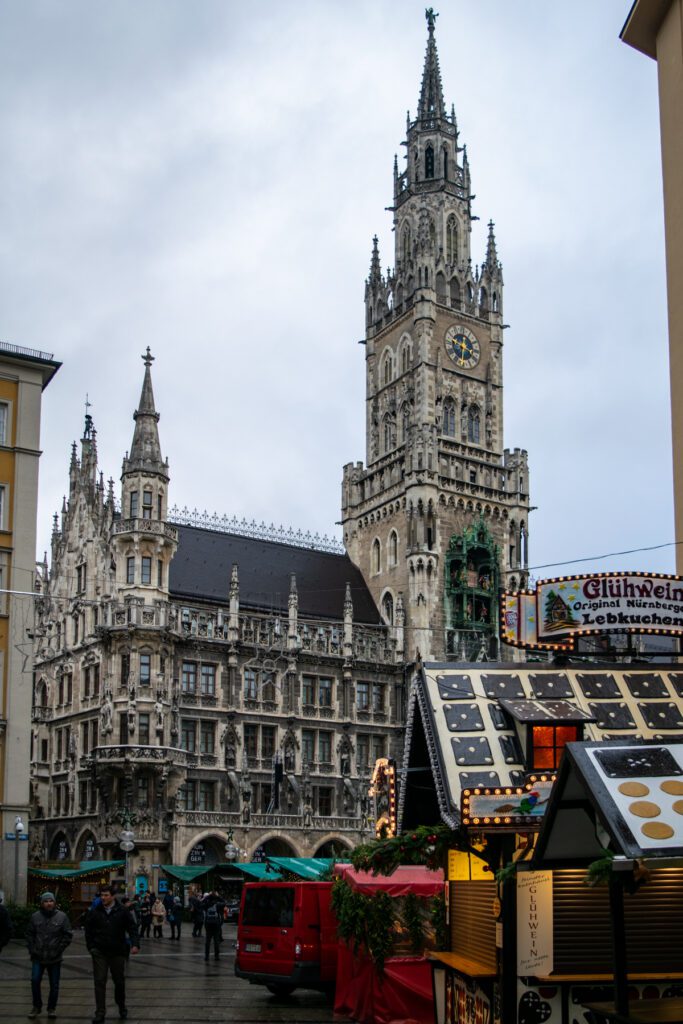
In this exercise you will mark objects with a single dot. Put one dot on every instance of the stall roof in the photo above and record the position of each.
(461, 733)
(263, 872)
(406, 879)
(305, 867)
(187, 872)
(86, 867)
(628, 797)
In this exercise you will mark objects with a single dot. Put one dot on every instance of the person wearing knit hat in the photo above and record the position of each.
(47, 936)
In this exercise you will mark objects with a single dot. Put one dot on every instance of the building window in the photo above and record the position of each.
(188, 735)
(362, 751)
(81, 578)
(4, 423)
(82, 797)
(324, 801)
(187, 797)
(123, 728)
(473, 424)
(376, 556)
(377, 697)
(325, 693)
(307, 746)
(189, 677)
(429, 162)
(449, 418)
(143, 730)
(451, 240)
(134, 504)
(268, 690)
(130, 569)
(85, 737)
(207, 738)
(251, 740)
(268, 733)
(160, 573)
(145, 669)
(250, 684)
(388, 609)
(363, 696)
(143, 790)
(75, 625)
(206, 796)
(548, 744)
(308, 690)
(378, 748)
(125, 669)
(325, 747)
(44, 751)
(393, 548)
(146, 504)
(146, 570)
(3, 507)
(208, 682)
(405, 422)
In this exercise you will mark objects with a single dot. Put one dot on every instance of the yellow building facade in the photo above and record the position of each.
(24, 374)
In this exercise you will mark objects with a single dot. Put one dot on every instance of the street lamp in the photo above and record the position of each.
(18, 831)
(127, 844)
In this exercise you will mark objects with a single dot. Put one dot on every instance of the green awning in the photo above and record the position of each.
(260, 871)
(304, 867)
(186, 872)
(86, 867)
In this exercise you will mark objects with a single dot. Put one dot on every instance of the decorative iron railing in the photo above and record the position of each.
(257, 531)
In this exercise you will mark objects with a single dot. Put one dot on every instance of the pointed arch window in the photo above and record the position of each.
(387, 434)
(376, 556)
(388, 609)
(473, 424)
(449, 418)
(445, 162)
(387, 368)
(405, 357)
(455, 292)
(393, 548)
(483, 301)
(452, 240)
(429, 162)
(494, 302)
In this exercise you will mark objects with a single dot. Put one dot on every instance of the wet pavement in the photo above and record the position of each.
(166, 981)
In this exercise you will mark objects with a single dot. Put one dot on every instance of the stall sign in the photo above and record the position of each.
(520, 808)
(466, 1003)
(197, 854)
(551, 616)
(534, 923)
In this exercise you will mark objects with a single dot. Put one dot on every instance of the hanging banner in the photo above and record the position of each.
(558, 610)
(534, 923)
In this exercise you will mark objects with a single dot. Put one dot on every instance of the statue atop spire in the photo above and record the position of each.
(431, 103)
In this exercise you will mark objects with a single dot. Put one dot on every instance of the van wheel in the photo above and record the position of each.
(281, 990)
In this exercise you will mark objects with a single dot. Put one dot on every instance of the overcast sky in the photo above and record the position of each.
(205, 177)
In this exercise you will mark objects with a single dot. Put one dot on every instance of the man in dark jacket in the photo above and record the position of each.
(47, 936)
(106, 929)
(213, 907)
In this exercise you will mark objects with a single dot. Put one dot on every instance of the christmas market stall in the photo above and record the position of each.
(385, 924)
(77, 884)
(483, 744)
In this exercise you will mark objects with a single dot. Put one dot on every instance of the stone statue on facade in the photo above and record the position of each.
(107, 714)
(159, 714)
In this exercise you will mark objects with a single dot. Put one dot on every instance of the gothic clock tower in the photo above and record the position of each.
(437, 517)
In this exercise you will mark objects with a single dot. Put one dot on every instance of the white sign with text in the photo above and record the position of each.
(534, 923)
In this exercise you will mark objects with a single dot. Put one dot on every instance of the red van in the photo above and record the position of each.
(287, 936)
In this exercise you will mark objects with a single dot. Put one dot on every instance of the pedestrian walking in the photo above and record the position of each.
(6, 927)
(106, 929)
(47, 936)
(213, 924)
(158, 918)
(197, 912)
(145, 917)
(174, 911)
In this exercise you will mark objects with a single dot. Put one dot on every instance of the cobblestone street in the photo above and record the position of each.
(167, 981)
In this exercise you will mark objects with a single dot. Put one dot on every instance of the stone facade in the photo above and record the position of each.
(435, 461)
(189, 717)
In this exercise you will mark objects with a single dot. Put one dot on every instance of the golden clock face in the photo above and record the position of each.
(462, 347)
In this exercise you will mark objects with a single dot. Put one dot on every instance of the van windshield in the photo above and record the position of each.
(269, 907)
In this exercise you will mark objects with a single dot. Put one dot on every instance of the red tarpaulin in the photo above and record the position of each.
(408, 878)
(403, 995)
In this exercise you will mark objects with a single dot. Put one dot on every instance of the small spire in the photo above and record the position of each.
(74, 455)
(55, 523)
(491, 260)
(375, 268)
(145, 451)
(431, 103)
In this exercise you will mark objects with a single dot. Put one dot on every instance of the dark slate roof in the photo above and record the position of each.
(202, 566)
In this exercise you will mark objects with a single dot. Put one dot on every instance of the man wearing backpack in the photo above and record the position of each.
(213, 921)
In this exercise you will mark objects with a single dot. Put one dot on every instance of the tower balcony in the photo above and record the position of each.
(122, 753)
(150, 527)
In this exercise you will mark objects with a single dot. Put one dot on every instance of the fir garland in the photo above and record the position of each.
(426, 845)
(364, 921)
(438, 908)
(413, 920)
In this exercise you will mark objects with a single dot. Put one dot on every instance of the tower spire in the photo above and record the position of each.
(145, 451)
(375, 267)
(491, 260)
(431, 104)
